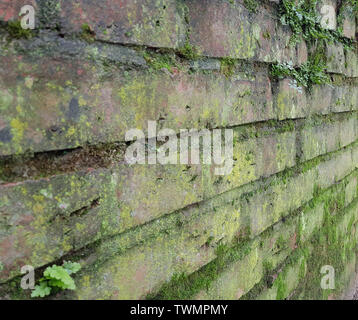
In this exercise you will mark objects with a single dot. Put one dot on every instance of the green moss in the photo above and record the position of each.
(182, 287)
(87, 33)
(281, 287)
(228, 66)
(251, 5)
(304, 21)
(188, 51)
(310, 73)
(161, 61)
(16, 31)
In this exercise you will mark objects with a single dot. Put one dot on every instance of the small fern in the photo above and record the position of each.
(56, 278)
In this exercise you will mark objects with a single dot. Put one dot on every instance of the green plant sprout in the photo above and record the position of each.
(56, 278)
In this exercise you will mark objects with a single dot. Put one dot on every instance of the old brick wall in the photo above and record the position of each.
(92, 70)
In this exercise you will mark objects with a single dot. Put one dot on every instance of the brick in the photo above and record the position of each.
(140, 22)
(158, 190)
(277, 201)
(325, 99)
(241, 276)
(39, 222)
(289, 279)
(351, 190)
(351, 63)
(344, 99)
(320, 99)
(289, 100)
(335, 58)
(327, 13)
(143, 269)
(328, 137)
(334, 169)
(254, 159)
(223, 29)
(348, 22)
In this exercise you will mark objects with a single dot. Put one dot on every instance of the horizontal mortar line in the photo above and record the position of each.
(175, 51)
(295, 214)
(267, 128)
(265, 124)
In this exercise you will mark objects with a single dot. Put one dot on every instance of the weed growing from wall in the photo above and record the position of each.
(56, 278)
(305, 23)
(313, 72)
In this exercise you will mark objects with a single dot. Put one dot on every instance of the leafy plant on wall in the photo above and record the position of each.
(55, 279)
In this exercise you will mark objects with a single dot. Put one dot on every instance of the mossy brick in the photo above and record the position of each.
(320, 99)
(351, 63)
(332, 98)
(345, 98)
(159, 189)
(48, 105)
(277, 201)
(321, 12)
(349, 131)
(255, 158)
(347, 20)
(155, 187)
(336, 61)
(331, 250)
(204, 233)
(317, 140)
(290, 100)
(347, 279)
(351, 190)
(286, 281)
(237, 279)
(355, 157)
(142, 22)
(293, 271)
(335, 169)
(224, 29)
(240, 277)
(39, 218)
(310, 221)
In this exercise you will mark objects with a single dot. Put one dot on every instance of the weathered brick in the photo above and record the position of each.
(223, 29)
(348, 21)
(277, 201)
(41, 220)
(289, 100)
(142, 22)
(320, 99)
(254, 159)
(351, 63)
(335, 58)
(328, 137)
(325, 99)
(334, 169)
(351, 190)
